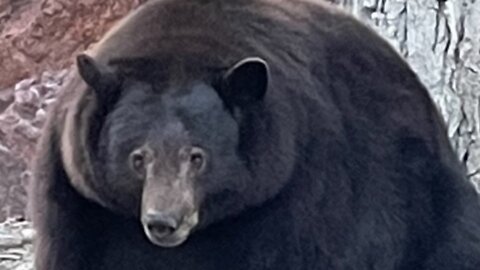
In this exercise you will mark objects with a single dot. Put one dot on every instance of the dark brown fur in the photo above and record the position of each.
(374, 183)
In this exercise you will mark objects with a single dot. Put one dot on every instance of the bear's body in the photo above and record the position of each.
(344, 163)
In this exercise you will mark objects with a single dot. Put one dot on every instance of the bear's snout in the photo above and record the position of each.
(160, 224)
(168, 211)
(168, 229)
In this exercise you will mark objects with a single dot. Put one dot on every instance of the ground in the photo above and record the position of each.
(16, 250)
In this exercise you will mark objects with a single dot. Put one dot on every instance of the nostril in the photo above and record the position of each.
(160, 231)
(160, 224)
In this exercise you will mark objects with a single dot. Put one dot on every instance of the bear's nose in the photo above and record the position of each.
(160, 224)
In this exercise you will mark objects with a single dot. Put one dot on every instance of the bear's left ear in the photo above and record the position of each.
(246, 82)
(99, 77)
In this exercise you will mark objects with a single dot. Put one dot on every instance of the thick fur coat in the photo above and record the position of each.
(342, 163)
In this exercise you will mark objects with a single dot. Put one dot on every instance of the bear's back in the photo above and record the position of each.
(290, 35)
(307, 43)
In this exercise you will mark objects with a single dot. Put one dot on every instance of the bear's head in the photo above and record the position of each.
(180, 156)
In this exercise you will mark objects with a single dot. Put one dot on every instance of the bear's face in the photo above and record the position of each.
(164, 153)
(171, 156)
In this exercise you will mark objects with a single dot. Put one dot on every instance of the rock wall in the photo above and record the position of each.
(39, 35)
(20, 127)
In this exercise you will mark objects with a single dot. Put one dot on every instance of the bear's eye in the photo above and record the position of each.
(137, 161)
(198, 158)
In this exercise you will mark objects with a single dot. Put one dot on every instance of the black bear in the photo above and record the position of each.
(249, 134)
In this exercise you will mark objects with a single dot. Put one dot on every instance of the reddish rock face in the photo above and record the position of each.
(44, 35)
(36, 36)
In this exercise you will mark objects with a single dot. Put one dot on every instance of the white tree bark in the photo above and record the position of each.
(440, 39)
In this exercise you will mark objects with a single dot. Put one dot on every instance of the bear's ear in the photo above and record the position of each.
(246, 82)
(97, 76)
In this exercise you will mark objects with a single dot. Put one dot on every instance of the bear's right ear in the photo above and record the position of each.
(97, 76)
(246, 82)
